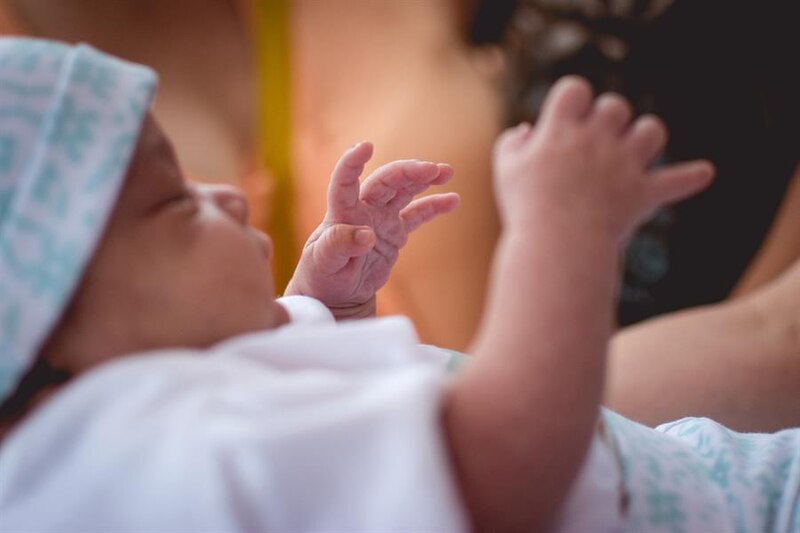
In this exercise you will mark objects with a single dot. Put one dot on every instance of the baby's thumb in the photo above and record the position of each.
(340, 243)
(679, 181)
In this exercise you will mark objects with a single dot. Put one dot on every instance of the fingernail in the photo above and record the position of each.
(363, 236)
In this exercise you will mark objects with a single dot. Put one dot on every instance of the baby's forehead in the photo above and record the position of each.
(151, 137)
(153, 174)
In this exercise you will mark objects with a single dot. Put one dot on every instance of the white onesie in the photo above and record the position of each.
(319, 426)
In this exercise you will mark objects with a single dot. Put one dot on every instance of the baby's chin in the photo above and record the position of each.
(270, 316)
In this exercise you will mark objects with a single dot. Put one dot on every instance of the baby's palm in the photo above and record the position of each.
(351, 254)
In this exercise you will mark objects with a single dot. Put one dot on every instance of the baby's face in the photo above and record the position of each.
(177, 266)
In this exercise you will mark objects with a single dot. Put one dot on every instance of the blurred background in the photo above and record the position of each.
(722, 76)
(265, 94)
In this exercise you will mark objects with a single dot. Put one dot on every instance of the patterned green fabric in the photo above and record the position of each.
(456, 362)
(69, 120)
(695, 475)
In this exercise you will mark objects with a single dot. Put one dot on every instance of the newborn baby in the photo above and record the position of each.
(150, 381)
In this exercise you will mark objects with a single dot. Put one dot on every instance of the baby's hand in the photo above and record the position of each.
(350, 255)
(585, 163)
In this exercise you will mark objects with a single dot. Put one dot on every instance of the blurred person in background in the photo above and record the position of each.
(417, 87)
(414, 86)
(203, 53)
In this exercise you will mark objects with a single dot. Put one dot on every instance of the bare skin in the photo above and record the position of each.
(136, 293)
(782, 246)
(162, 225)
(140, 293)
(379, 214)
(201, 50)
(417, 90)
(569, 192)
(580, 179)
(737, 362)
(429, 98)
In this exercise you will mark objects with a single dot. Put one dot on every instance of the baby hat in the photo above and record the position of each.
(69, 121)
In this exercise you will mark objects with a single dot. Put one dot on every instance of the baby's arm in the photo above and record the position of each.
(521, 417)
(351, 254)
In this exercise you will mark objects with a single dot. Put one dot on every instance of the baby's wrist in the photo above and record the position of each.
(354, 311)
(561, 222)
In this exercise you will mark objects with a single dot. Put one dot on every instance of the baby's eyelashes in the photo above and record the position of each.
(236, 207)
(179, 198)
(184, 203)
(227, 198)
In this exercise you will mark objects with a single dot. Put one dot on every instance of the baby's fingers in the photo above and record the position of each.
(569, 99)
(344, 188)
(408, 177)
(647, 137)
(404, 196)
(425, 209)
(338, 244)
(676, 182)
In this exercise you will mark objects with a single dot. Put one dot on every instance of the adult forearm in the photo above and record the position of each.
(737, 362)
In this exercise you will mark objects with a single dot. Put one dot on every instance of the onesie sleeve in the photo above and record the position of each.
(327, 428)
(306, 310)
(219, 444)
(335, 452)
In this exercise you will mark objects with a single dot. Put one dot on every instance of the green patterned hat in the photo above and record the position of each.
(69, 121)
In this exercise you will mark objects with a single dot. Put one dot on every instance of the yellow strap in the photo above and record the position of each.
(270, 23)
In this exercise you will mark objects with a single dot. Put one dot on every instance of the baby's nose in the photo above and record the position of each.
(264, 242)
(229, 199)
